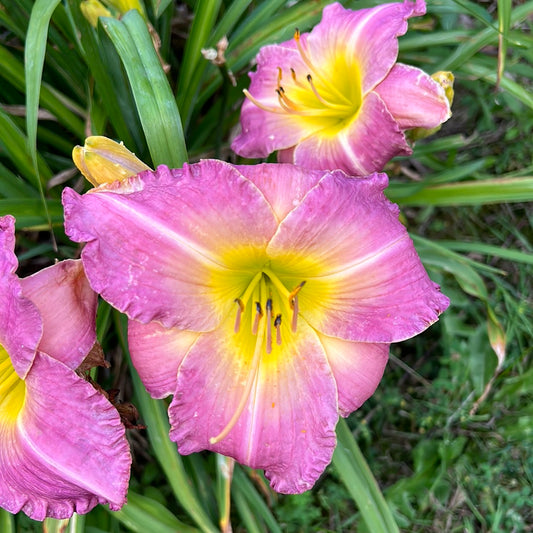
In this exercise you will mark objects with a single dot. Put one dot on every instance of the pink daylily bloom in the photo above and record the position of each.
(263, 297)
(62, 444)
(335, 98)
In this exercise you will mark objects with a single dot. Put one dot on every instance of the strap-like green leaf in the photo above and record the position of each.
(155, 102)
(358, 479)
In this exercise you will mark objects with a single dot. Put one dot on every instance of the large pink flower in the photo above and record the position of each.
(62, 444)
(335, 98)
(263, 297)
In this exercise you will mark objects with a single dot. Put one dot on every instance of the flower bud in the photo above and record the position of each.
(92, 10)
(102, 160)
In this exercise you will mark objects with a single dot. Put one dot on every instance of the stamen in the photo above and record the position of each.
(294, 322)
(279, 76)
(307, 61)
(254, 369)
(252, 375)
(270, 109)
(269, 326)
(277, 325)
(293, 74)
(322, 100)
(240, 310)
(293, 301)
(286, 103)
(258, 316)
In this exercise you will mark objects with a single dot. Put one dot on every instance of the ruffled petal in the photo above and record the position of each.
(67, 451)
(358, 368)
(152, 253)
(263, 131)
(20, 323)
(287, 426)
(365, 282)
(156, 353)
(369, 36)
(364, 146)
(414, 99)
(68, 309)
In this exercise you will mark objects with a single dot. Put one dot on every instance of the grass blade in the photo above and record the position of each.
(504, 22)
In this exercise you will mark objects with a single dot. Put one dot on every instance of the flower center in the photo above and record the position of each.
(12, 388)
(260, 311)
(333, 94)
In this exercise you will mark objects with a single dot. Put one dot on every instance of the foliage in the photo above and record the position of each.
(448, 432)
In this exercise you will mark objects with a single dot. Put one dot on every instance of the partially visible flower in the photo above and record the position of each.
(335, 98)
(102, 160)
(263, 297)
(62, 445)
(92, 10)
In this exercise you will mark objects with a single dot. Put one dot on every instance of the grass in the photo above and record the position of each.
(448, 433)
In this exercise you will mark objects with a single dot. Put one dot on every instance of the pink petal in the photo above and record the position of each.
(67, 452)
(68, 309)
(365, 281)
(20, 323)
(262, 131)
(358, 368)
(152, 253)
(414, 99)
(287, 426)
(283, 186)
(364, 146)
(156, 353)
(370, 36)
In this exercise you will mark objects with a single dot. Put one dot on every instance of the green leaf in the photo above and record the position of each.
(358, 479)
(33, 63)
(14, 144)
(142, 514)
(489, 191)
(155, 103)
(194, 64)
(30, 213)
(7, 522)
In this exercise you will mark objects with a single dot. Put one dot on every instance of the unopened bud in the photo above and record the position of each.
(102, 160)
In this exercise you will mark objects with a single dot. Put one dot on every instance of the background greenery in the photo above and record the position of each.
(448, 434)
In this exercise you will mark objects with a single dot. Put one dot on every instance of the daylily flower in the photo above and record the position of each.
(335, 98)
(62, 444)
(263, 297)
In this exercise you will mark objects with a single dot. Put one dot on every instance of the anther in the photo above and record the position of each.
(293, 301)
(269, 325)
(240, 310)
(277, 325)
(294, 292)
(258, 316)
